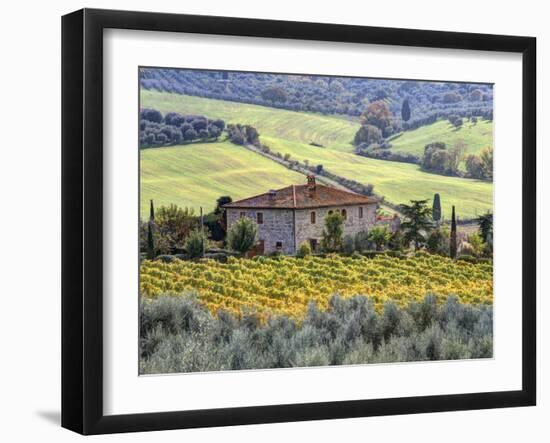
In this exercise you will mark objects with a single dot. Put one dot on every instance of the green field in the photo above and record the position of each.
(291, 132)
(474, 136)
(397, 182)
(196, 175)
(334, 132)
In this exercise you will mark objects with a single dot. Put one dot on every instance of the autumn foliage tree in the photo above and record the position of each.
(486, 157)
(377, 114)
(474, 167)
(174, 224)
(274, 94)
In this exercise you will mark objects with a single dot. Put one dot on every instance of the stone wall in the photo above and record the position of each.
(305, 230)
(277, 226)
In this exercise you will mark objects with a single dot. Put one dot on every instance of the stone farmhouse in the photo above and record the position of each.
(289, 216)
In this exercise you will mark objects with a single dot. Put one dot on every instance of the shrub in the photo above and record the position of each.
(467, 258)
(361, 241)
(173, 225)
(196, 243)
(165, 258)
(242, 235)
(150, 115)
(348, 245)
(190, 134)
(178, 335)
(331, 240)
(173, 118)
(396, 241)
(438, 241)
(173, 128)
(303, 250)
(475, 244)
(368, 134)
(218, 256)
(380, 236)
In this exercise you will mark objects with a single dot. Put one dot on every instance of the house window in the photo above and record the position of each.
(312, 216)
(260, 218)
(360, 211)
(242, 214)
(279, 245)
(344, 214)
(330, 212)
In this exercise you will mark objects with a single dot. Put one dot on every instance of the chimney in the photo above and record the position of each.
(311, 184)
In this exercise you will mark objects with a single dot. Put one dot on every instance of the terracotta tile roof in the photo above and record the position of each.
(300, 197)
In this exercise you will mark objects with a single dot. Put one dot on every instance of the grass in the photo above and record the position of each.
(329, 131)
(292, 132)
(397, 182)
(197, 174)
(474, 136)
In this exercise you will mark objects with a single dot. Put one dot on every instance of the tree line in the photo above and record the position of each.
(327, 94)
(378, 123)
(156, 130)
(172, 231)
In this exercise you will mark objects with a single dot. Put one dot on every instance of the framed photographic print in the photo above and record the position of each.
(270, 221)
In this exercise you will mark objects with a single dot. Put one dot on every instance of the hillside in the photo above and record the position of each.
(329, 95)
(474, 136)
(196, 175)
(397, 182)
(291, 132)
(334, 132)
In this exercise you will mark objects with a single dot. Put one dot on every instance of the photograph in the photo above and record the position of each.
(298, 220)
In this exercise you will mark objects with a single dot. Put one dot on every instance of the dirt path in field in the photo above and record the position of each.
(299, 168)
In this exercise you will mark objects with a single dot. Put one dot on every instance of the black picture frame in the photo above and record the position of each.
(82, 215)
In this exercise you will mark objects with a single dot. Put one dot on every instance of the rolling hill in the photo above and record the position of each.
(197, 174)
(397, 182)
(292, 132)
(474, 136)
(334, 132)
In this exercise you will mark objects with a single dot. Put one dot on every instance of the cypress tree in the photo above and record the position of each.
(406, 110)
(150, 242)
(453, 246)
(436, 208)
(151, 212)
(485, 223)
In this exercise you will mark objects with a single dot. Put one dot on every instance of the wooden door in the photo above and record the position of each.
(258, 249)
